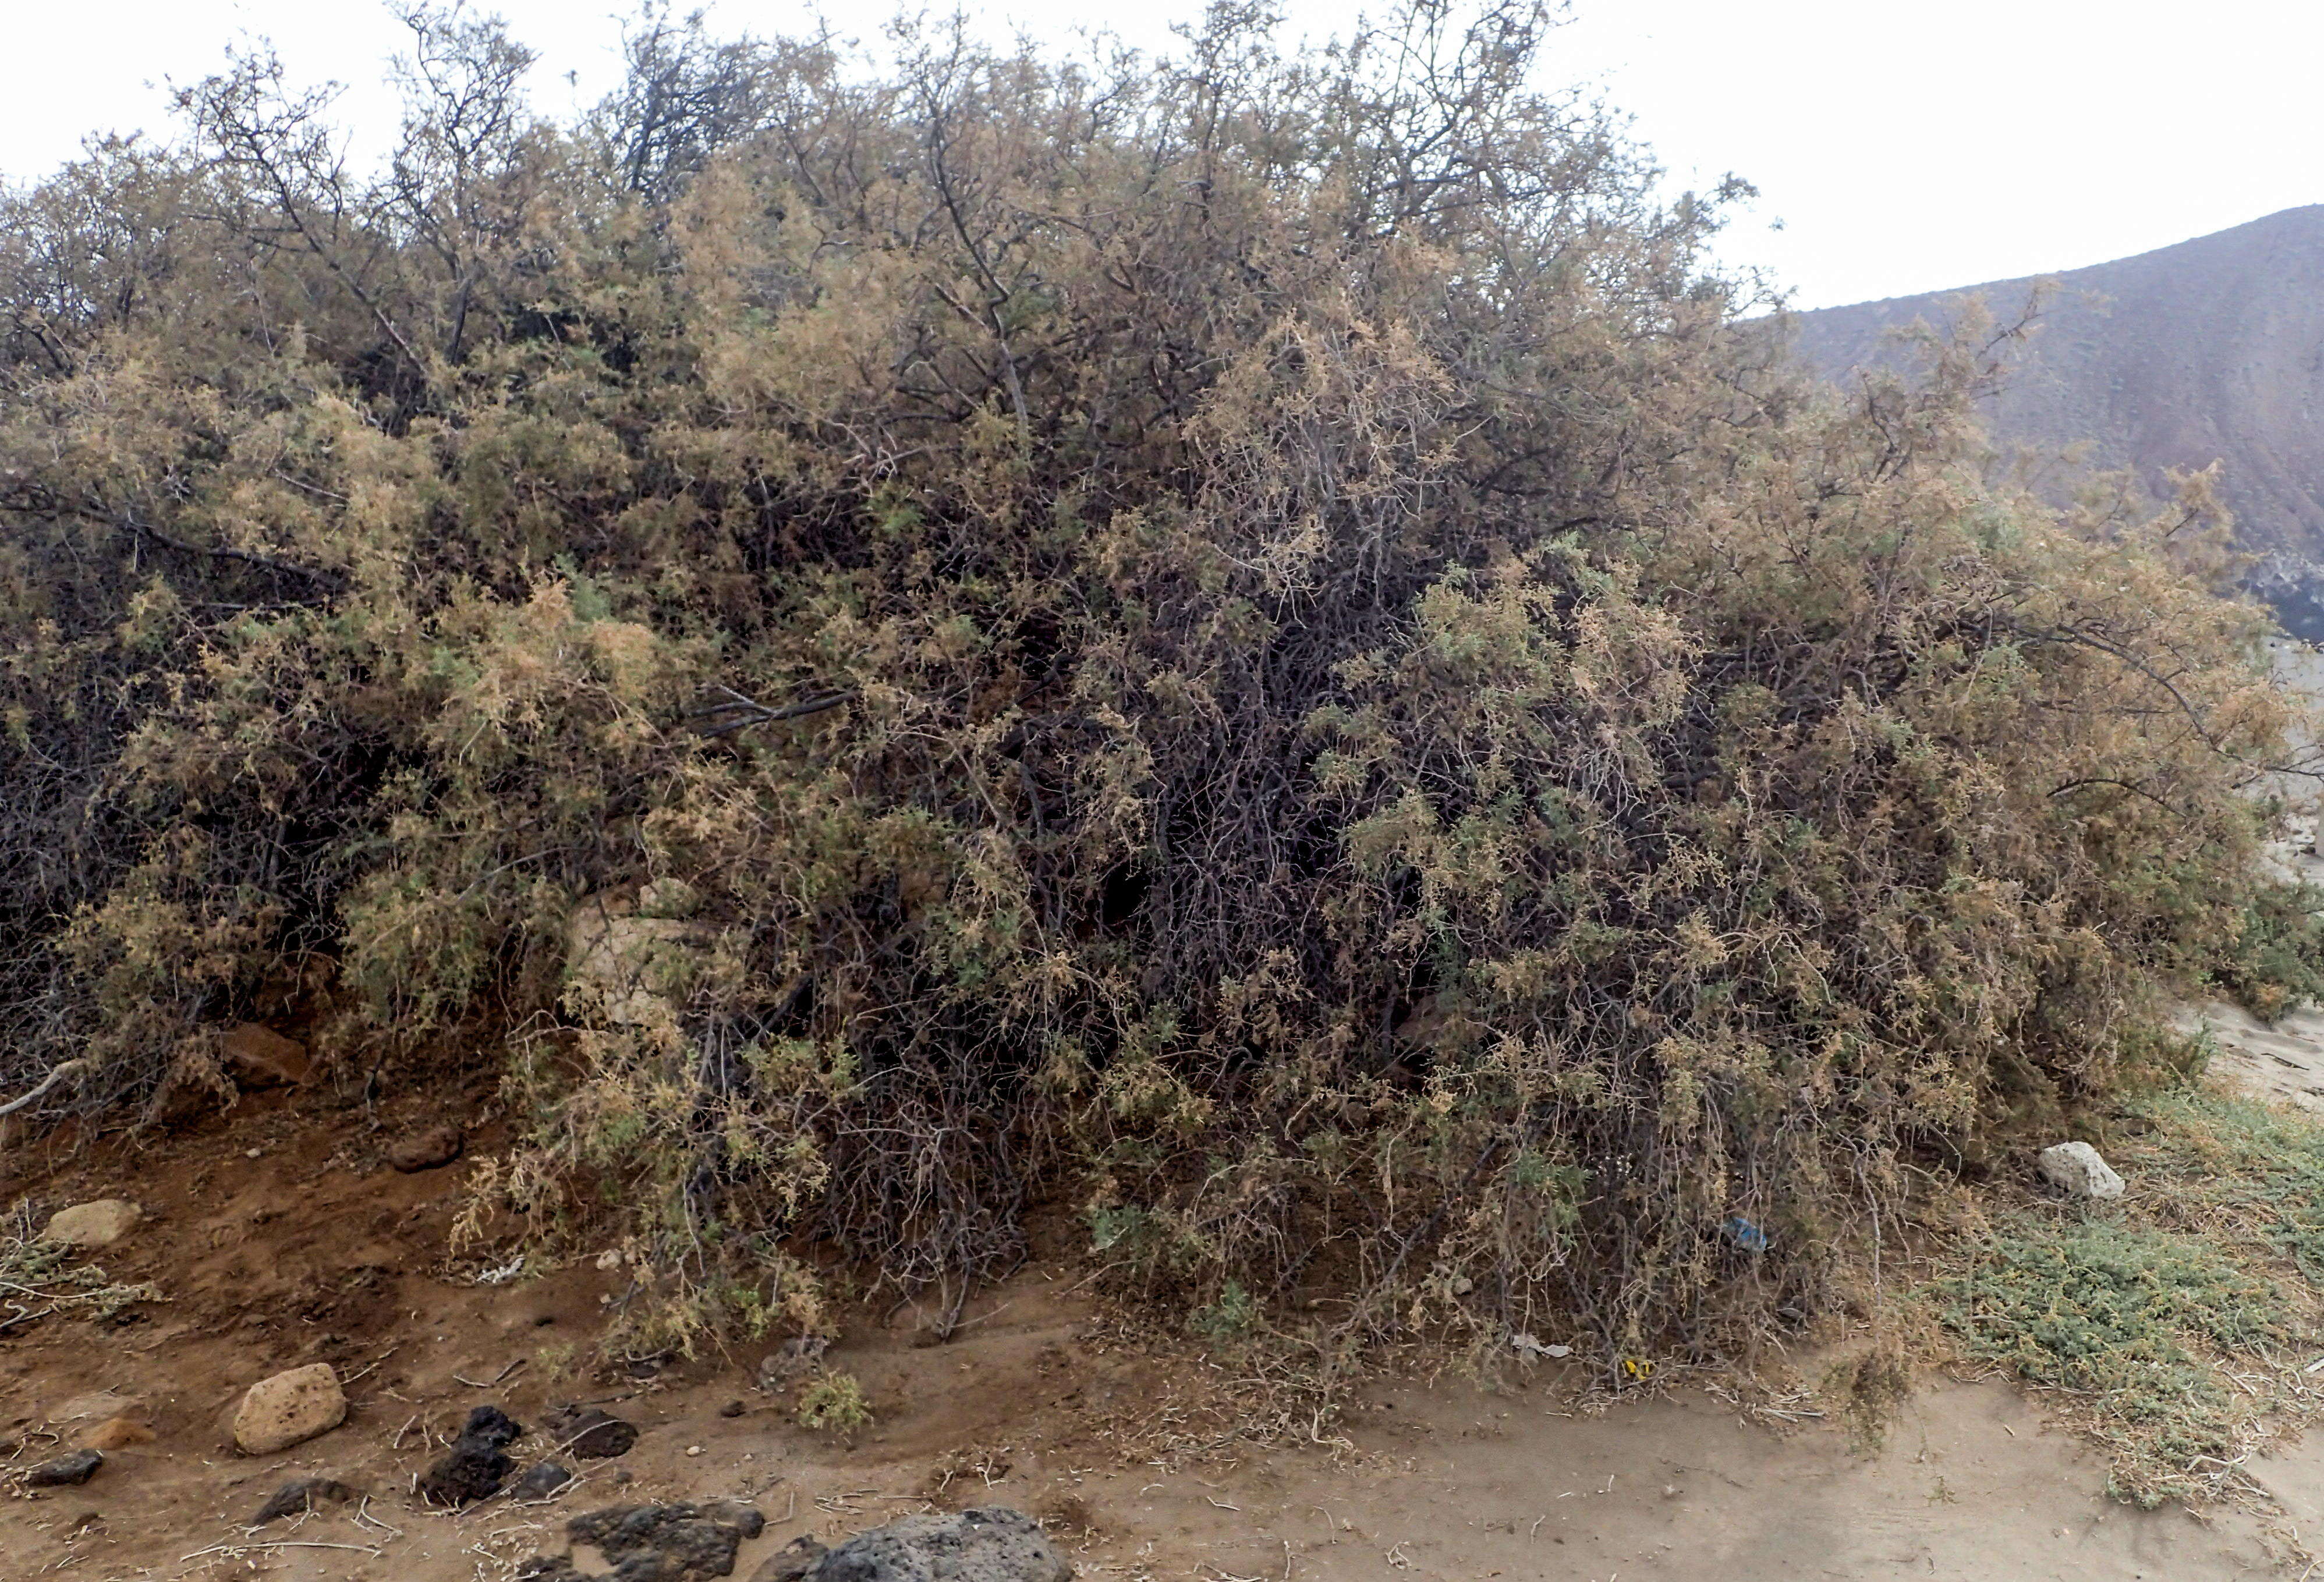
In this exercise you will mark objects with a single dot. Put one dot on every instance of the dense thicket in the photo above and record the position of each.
(1243, 643)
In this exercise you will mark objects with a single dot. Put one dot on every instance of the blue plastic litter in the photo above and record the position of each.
(1746, 1234)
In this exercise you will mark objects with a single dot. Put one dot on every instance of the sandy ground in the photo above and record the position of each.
(279, 1238)
(2281, 1063)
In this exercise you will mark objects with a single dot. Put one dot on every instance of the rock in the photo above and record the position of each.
(491, 1426)
(676, 1542)
(2077, 1169)
(466, 1474)
(630, 968)
(429, 1150)
(794, 1358)
(260, 1057)
(478, 1462)
(989, 1544)
(64, 1470)
(288, 1409)
(115, 1433)
(544, 1479)
(93, 1225)
(299, 1495)
(794, 1562)
(590, 1433)
(732, 1409)
(740, 1514)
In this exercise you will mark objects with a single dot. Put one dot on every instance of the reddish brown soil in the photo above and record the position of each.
(279, 1238)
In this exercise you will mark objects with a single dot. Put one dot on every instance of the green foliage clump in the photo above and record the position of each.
(38, 1278)
(2138, 1317)
(2178, 1323)
(1234, 1316)
(2277, 963)
(2238, 1169)
(2090, 1306)
(1252, 641)
(833, 1404)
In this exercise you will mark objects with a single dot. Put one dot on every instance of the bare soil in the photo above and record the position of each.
(279, 1237)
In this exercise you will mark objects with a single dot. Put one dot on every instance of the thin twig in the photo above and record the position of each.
(71, 1068)
(237, 1548)
(744, 711)
(487, 1383)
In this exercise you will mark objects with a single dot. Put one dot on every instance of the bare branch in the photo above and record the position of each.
(71, 1068)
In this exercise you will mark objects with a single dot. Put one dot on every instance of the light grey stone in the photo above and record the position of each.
(2077, 1169)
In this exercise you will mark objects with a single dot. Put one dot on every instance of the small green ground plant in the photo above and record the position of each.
(2175, 1327)
(43, 1279)
(2278, 963)
(833, 1404)
(2240, 1171)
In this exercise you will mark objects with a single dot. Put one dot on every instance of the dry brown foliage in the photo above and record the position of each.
(1244, 639)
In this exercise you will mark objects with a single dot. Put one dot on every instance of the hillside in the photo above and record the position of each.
(2212, 350)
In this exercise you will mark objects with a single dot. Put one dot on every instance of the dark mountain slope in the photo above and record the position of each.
(2209, 350)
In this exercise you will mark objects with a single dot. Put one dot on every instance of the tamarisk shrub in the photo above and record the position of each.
(1247, 642)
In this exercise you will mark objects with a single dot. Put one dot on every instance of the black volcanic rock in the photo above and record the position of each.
(478, 1462)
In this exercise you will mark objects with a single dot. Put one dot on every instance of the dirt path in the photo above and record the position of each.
(281, 1239)
(2281, 1063)
(1971, 1487)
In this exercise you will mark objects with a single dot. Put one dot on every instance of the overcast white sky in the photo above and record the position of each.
(1899, 146)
